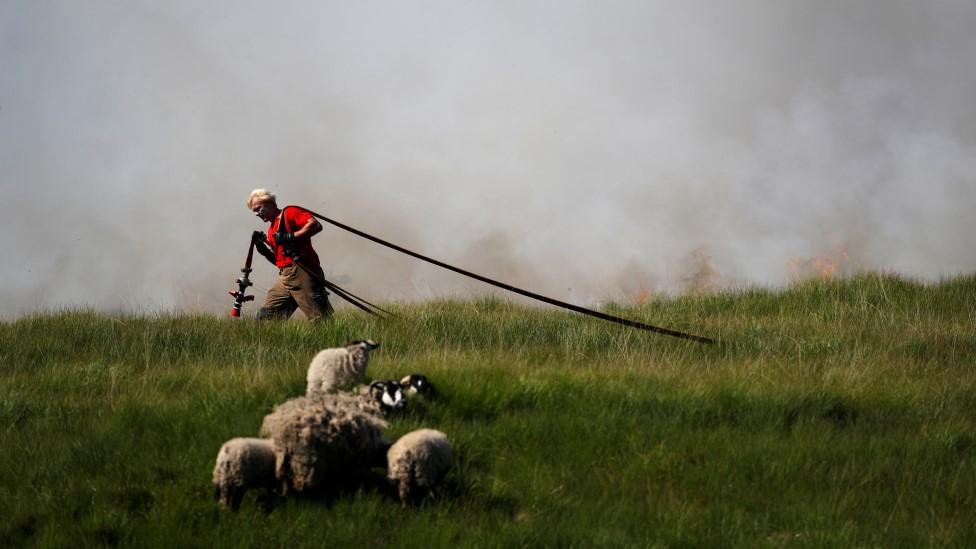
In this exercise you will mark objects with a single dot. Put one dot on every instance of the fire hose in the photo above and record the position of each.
(509, 287)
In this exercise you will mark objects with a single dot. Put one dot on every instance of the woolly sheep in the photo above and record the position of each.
(242, 464)
(317, 441)
(378, 399)
(418, 461)
(282, 414)
(339, 368)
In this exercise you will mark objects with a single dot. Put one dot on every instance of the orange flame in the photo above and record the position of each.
(642, 297)
(824, 266)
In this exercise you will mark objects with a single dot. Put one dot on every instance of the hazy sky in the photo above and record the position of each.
(586, 150)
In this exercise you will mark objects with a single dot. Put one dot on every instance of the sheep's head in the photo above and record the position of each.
(365, 344)
(417, 383)
(389, 394)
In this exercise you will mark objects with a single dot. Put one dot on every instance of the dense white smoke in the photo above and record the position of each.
(585, 150)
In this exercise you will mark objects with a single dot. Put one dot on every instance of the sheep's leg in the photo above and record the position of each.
(236, 496)
(404, 491)
(221, 495)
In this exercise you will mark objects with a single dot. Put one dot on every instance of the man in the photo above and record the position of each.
(300, 276)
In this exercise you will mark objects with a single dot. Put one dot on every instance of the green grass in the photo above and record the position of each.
(831, 414)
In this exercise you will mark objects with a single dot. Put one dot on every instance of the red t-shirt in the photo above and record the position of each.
(295, 218)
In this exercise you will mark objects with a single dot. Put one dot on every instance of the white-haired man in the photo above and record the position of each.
(300, 276)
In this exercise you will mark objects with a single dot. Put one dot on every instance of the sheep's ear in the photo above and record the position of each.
(372, 344)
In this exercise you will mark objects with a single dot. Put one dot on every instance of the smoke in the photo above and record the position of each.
(581, 150)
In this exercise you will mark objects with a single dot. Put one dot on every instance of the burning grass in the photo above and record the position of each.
(836, 413)
(833, 263)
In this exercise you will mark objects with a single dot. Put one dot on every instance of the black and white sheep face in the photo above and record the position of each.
(389, 394)
(367, 344)
(416, 383)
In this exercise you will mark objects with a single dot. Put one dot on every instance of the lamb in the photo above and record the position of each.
(339, 368)
(242, 464)
(418, 461)
(319, 441)
(388, 395)
(417, 383)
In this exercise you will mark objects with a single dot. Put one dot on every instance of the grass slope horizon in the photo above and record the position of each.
(830, 413)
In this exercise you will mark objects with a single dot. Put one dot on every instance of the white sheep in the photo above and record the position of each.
(243, 464)
(418, 461)
(317, 441)
(339, 368)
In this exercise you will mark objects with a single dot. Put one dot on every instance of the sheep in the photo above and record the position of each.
(339, 368)
(387, 395)
(318, 441)
(417, 383)
(242, 464)
(379, 398)
(282, 414)
(418, 461)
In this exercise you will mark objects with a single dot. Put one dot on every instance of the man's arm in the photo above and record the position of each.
(310, 228)
(260, 244)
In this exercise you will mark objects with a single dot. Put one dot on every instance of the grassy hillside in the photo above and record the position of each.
(833, 414)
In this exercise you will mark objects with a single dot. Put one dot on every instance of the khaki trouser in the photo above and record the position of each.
(296, 289)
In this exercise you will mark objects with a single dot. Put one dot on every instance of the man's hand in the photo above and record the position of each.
(282, 238)
(287, 242)
(261, 245)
